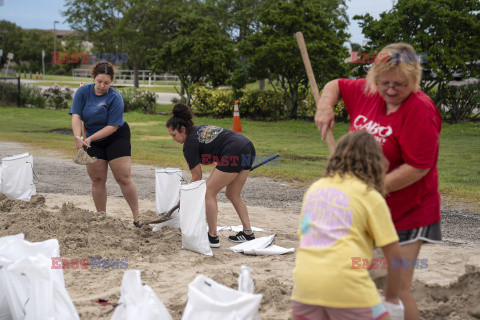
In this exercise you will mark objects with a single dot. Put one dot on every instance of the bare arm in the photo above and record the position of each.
(77, 130)
(403, 176)
(196, 173)
(324, 118)
(105, 132)
(394, 278)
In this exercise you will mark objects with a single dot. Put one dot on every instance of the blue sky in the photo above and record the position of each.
(42, 13)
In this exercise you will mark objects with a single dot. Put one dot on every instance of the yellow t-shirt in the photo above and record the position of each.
(340, 220)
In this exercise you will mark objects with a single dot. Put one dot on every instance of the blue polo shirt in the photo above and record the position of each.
(98, 112)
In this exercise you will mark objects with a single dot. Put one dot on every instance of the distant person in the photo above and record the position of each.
(390, 105)
(100, 107)
(234, 154)
(343, 215)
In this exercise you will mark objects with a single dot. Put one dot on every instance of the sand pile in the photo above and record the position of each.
(84, 234)
(168, 269)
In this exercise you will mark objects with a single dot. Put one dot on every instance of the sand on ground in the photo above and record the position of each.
(447, 289)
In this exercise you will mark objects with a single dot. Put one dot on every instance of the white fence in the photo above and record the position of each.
(126, 76)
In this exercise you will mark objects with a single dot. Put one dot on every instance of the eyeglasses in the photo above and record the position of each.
(394, 86)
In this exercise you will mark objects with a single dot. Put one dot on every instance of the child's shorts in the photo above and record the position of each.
(315, 312)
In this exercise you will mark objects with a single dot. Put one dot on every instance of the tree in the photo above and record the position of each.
(200, 50)
(123, 26)
(32, 43)
(9, 35)
(272, 51)
(445, 32)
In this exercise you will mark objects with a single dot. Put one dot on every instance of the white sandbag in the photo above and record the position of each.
(1, 173)
(271, 250)
(167, 194)
(17, 177)
(5, 313)
(239, 228)
(193, 219)
(396, 312)
(208, 299)
(138, 301)
(258, 243)
(261, 247)
(33, 290)
(245, 283)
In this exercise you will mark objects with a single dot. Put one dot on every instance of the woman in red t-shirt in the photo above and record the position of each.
(405, 121)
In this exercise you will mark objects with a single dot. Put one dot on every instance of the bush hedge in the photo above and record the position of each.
(253, 103)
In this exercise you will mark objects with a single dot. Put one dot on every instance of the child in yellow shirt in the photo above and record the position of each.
(343, 215)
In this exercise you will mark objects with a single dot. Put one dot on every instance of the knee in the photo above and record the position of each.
(210, 195)
(98, 180)
(232, 196)
(124, 180)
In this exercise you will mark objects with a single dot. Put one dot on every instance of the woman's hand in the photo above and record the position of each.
(79, 143)
(324, 119)
(87, 141)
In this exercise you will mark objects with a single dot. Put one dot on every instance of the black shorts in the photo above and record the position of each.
(114, 146)
(431, 233)
(237, 159)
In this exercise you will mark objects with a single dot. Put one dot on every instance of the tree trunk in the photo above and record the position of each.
(261, 84)
(135, 75)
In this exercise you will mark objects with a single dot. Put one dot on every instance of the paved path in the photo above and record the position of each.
(162, 97)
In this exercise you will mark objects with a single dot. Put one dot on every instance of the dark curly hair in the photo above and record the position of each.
(359, 154)
(103, 67)
(181, 117)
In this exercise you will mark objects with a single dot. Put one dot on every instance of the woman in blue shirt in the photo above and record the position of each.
(100, 107)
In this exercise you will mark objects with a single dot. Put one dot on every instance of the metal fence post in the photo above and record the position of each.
(18, 79)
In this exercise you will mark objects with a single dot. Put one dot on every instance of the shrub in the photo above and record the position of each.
(31, 96)
(134, 99)
(8, 93)
(253, 103)
(57, 97)
(458, 103)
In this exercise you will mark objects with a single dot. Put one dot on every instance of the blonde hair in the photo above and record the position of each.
(400, 58)
(359, 154)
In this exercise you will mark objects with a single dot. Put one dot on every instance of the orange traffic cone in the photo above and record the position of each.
(237, 126)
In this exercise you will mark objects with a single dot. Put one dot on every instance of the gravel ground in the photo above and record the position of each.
(56, 174)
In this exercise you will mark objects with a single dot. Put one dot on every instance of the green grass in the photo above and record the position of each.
(159, 88)
(302, 153)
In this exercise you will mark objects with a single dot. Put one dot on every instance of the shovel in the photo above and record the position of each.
(164, 216)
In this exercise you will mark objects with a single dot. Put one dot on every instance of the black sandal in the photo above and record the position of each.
(138, 224)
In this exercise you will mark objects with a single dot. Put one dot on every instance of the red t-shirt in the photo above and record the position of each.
(409, 135)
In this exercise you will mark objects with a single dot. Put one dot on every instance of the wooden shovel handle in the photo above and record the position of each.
(313, 85)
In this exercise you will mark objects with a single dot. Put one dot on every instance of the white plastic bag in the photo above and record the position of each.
(1, 173)
(33, 290)
(261, 247)
(245, 283)
(17, 177)
(208, 299)
(396, 312)
(167, 194)
(138, 301)
(193, 218)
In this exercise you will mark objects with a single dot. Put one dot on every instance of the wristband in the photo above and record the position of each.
(78, 137)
